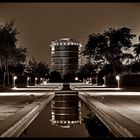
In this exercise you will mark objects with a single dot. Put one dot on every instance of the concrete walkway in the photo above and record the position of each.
(15, 124)
(118, 122)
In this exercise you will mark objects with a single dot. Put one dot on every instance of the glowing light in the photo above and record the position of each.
(76, 78)
(53, 48)
(117, 77)
(15, 77)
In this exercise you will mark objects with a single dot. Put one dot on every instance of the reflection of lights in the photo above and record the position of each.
(97, 88)
(13, 88)
(72, 122)
(65, 126)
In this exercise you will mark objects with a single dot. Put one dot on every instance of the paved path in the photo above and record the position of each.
(119, 109)
(19, 108)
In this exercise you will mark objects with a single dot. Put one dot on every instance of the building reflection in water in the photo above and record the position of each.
(66, 109)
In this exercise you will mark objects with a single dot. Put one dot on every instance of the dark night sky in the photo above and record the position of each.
(39, 23)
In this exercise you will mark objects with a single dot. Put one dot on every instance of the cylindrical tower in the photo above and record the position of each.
(65, 55)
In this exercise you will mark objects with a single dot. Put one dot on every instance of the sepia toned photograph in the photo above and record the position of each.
(69, 70)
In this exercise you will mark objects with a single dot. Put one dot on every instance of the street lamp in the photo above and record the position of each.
(35, 80)
(104, 81)
(76, 78)
(118, 80)
(41, 80)
(14, 79)
(28, 78)
(97, 71)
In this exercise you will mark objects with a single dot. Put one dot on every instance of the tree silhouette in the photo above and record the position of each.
(37, 69)
(137, 49)
(107, 48)
(87, 70)
(55, 76)
(9, 53)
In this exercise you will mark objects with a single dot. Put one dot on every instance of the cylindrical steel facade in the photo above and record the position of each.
(65, 55)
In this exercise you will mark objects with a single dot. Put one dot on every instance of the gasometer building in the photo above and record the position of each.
(65, 55)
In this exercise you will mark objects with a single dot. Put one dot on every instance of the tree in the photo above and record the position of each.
(17, 69)
(55, 76)
(109, 47)
(37, 69)
(9, 53)
(88, 70)
(137, 50)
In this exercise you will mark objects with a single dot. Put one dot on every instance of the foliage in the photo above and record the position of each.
(107, 48)
(55, 76)
(87, 70)
(10, 54)
(37, 69)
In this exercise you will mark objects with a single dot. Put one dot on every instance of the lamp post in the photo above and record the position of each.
(104, 81)
(35, 80)
(41, 80)
(118, 80)
(28, 78)
(97, 71)
(14, 79)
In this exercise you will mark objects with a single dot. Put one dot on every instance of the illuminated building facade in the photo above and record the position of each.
(65, 55)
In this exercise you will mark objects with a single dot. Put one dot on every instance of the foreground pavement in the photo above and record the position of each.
(118, 109)
(21, 106)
